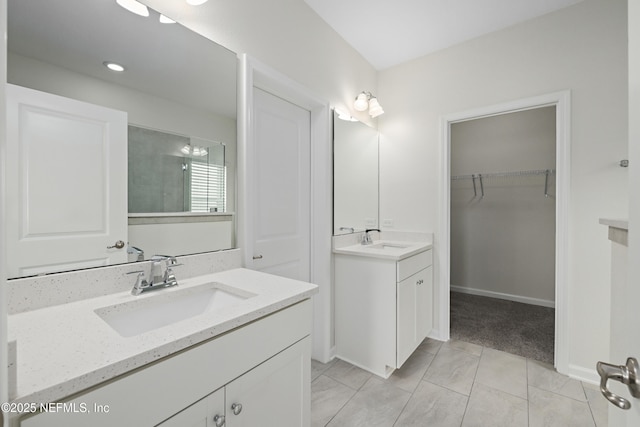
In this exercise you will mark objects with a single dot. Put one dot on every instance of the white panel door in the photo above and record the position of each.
(625, 315)
(280, 187)
(66, 183)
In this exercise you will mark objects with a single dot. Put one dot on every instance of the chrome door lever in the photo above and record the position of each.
(626, 374)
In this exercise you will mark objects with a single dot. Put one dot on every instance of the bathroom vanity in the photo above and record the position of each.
(243, 358)
(384, 302)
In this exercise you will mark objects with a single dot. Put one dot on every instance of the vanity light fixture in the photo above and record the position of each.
(196, 2)
(134, 6)
(366, 100)
(165, 20)
(196, 151)
(113, 66)
(345, 116)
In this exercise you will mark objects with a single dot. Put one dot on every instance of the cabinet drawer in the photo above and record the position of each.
(412, 265)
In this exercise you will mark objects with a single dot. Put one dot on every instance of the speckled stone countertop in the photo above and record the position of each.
(385, 249)
(67, 348)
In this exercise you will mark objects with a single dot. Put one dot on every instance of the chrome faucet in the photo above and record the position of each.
(159, 279)
(366, 237)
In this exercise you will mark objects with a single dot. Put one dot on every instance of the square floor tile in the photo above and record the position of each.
(318, 368)
(600, 407)
(494, 408)
(410, 374)
(544, 376)
(467, 347)
(327, 398)
(547, 409)
(377, 404)
(348, 374)
(503, 371)
(432, 405)
(453, 369)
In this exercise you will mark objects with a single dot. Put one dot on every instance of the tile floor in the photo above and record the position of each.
(454, 384)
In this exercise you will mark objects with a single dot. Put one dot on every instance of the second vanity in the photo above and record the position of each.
(244, 362)
(384, 302)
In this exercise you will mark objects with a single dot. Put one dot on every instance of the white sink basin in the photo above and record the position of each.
(384, 245)
(155, 310)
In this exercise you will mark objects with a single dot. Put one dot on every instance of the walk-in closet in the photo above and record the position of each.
(503, 231)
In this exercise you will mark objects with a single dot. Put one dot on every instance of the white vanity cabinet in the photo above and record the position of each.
(268, 395)
(384, 309)
(263, 366)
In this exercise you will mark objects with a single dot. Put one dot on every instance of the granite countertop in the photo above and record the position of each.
(385, 249)
(68, 348)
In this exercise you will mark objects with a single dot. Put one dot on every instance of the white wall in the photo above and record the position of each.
(581, 48)
(503, 244)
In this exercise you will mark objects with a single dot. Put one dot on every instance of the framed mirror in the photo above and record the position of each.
(177, 94)
(355, 176)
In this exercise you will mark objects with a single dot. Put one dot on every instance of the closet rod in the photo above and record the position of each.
(505, 174)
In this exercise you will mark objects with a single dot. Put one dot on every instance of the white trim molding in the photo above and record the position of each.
(504, 296)
(254, 74)
(562, 102)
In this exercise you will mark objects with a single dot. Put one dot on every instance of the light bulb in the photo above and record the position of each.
(361, 103)
(113, 66)
(374, 108)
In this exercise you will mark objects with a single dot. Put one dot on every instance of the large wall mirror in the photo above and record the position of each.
(175, 117)
(355, 176)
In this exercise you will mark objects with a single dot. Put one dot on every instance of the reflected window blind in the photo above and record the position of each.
(208, 189)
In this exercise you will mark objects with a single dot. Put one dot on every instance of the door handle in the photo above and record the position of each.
(257, 257)
(626, 374)
(118, 245)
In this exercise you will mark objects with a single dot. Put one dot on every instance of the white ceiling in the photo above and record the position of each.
(388, 33)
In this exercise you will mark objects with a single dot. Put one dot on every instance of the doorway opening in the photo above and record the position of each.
(503, 232)
(557, 185)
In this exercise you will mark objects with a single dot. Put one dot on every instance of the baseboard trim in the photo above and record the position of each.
(584, 374)
(500, 295)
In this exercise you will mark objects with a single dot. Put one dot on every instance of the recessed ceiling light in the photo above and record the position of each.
(165, 20)
(113, 66)
(196, 2)
(134, 6)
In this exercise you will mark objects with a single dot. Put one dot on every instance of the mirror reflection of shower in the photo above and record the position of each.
(175, 173)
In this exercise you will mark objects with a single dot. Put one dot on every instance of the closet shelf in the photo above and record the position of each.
(504, 174)
(481, 176)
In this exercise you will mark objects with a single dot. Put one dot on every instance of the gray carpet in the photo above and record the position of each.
(513, 327)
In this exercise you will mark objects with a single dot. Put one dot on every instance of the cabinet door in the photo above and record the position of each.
(406, 319)
(276, 393)
(424, 305)
(414, 309)
(207, 412)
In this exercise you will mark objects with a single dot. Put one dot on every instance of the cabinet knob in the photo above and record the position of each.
(420, 282)
(218, 420)
(236, 408)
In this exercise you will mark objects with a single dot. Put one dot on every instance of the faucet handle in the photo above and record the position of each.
(139, 272)
(141, 281)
